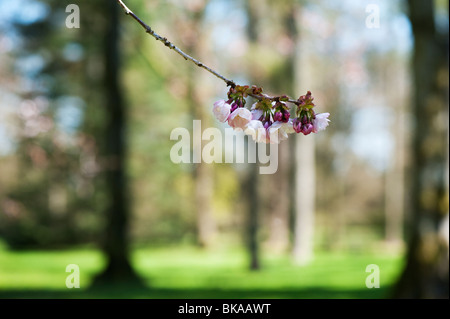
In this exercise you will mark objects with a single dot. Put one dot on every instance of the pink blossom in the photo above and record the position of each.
(320, 122)
(257, 114)
(239, 118)
(221, 110)
(279, 131)
(257, 131)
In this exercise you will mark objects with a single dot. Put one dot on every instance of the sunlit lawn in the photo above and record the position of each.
(192, 273)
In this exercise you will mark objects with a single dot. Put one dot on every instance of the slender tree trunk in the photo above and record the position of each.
(116, 248)
(278, 240)
(203, 172)
(279, 209)
(304, 172)
(394, 207)
(203, 191)
(426, 271)
(252, 179)
(251, 188)
(396, 88)
(304, 200)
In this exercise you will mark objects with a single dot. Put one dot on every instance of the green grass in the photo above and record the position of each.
(192, 273)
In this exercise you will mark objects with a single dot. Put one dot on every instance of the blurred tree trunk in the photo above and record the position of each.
(281, 80)
(304, 199)
(203, 192)
(250, 184)
(394, 189)
(304, 181)
(116, 248)
(251, 193)
(203, 172)
(426, 271)
(395, 88)
(278, 240)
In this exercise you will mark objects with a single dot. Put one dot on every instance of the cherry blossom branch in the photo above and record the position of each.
(267, 116)
(170, 45)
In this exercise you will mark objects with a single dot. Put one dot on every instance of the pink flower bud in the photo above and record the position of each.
(304, 119)
(278, 117)
(286, 117)
(234, 106)
(297, 125)
(267, 124)
(307, 128)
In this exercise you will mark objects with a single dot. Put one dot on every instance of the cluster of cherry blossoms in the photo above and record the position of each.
(269, 119)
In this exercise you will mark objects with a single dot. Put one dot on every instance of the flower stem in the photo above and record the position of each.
(271, 98)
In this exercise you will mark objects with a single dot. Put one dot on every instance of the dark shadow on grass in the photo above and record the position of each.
(138, 292)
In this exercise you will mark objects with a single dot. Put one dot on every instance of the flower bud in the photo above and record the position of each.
(278, 117)
(234, 106)
(304, 119)
(267, 124)
(297, 125)
(286, 116)
(307, 128)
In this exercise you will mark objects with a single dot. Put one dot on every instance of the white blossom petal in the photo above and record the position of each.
(320, 122)
(221, 110)
(239, 118)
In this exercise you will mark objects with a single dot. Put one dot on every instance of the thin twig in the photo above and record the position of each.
(170, 45)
